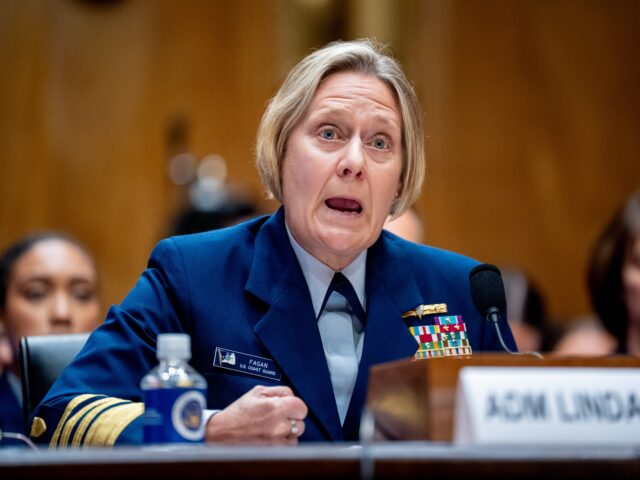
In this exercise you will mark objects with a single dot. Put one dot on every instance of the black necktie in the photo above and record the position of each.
(342, 285)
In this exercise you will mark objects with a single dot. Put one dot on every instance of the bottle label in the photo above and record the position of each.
(174, 415)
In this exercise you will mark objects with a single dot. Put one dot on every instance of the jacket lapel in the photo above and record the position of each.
(391, 291)
(289, 329)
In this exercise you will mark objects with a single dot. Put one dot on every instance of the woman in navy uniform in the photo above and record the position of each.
(288, 312)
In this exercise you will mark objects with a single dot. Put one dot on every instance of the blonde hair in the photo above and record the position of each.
(296, 93)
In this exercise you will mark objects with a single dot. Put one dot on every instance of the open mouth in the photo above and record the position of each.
(344, 205)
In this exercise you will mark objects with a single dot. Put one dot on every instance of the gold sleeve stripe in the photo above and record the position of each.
(106, 428)
(99, 407)
(67, 411)
(132, 412)
(72, 422)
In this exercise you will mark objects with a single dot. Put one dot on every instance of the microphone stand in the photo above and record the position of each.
(493, 315)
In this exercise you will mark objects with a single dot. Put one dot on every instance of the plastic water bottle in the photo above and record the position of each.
(174, 394)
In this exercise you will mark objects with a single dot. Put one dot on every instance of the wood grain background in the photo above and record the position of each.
(532, 111)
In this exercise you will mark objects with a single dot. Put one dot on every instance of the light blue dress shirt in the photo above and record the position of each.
(341, 332)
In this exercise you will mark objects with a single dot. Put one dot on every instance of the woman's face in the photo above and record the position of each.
(341, 170)
(631, 280)
(52, 288)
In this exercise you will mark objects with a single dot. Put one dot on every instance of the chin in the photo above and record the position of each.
(346, 245)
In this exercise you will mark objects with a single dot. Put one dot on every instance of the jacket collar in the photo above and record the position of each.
(289, 329)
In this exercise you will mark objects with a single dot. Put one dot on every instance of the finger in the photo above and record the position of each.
(292, 429)
(301, 427)
(285, 441)
(279, 391)
(294, 407)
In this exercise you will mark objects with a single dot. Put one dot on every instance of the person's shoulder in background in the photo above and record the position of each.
(409, 226)
(585, 336)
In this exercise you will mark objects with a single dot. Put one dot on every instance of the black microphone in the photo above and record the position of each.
(487, 293)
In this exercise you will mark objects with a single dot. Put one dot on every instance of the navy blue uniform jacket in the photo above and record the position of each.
(242, 289)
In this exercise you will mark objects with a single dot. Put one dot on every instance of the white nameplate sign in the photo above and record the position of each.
(547, 406)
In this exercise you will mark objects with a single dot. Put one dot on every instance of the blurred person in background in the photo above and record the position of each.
(229, 212)
(526, 311)
(8, 400)
(613, 279)
(408, 226)
(48, 285)
(210, 202)
(585, 336)
(6, 353)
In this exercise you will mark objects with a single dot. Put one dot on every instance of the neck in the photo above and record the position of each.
(337, 264)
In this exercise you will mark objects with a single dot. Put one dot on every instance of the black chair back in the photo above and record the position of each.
(42, 359)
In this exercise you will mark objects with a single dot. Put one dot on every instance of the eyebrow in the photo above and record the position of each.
(330, 110)
(74, 280)
(341, 111)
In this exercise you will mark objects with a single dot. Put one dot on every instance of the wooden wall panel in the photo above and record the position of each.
(531, 110)
(23, 152)
(88, 92)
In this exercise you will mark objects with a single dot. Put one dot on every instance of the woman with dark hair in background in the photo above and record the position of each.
(48, 285)
(614, 277)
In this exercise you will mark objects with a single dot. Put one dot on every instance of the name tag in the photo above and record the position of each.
(552, 406)
(245, 363)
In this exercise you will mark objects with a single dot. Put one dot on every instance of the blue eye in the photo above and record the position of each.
(380, 143)
(328, 134)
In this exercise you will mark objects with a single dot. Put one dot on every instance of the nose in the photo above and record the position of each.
(351, 163)
(61, 311)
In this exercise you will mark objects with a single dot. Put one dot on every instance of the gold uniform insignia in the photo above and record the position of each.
(38, 427)
(422, 310)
